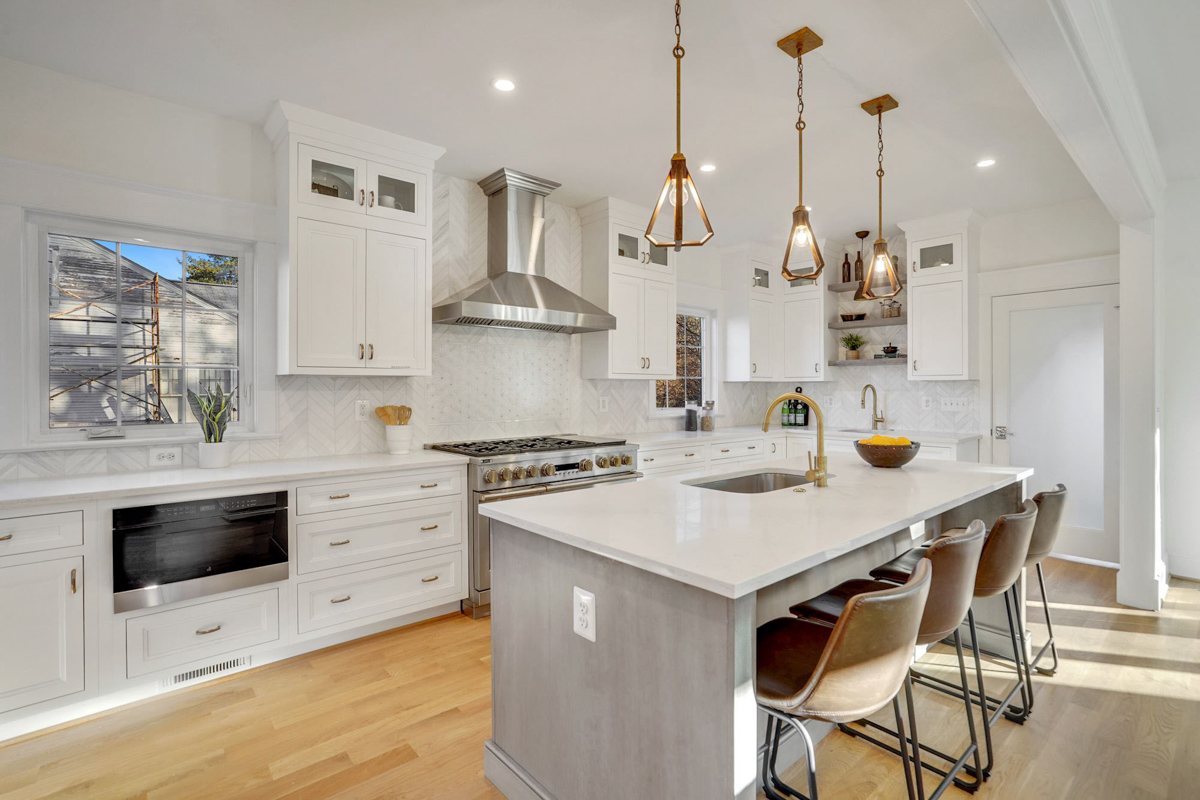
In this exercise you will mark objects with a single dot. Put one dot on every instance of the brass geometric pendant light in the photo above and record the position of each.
(801, 236)
(678, 188)
(880, 280)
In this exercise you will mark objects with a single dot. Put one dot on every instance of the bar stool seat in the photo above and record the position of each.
(788, 652)
(828, 607)
(899, 568)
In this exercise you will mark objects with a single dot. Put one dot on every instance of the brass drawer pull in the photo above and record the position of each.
(647, 460)
(341, 599)
(688, 455)
(339, 496)
(6, 537)
(752, 447)
(430, 580)
(428, 485)
(724, 451)
(429, 527)
(207, 631)
(74, 587)
(339, 544)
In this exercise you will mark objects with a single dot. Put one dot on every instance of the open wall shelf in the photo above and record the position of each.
(870, 322)
(870, 362)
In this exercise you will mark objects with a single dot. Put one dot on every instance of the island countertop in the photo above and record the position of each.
(735, 544)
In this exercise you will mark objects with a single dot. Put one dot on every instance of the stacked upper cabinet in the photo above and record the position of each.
(775, 330)
(635, 282)
(943, 297)
(354, 254)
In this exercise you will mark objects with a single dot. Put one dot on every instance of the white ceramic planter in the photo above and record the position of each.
(399, 438)
(215, 455)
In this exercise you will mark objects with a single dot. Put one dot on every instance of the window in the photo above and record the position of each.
(693, 341)
(132, 326)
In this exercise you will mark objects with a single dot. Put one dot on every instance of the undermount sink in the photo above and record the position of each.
(755, 483)
(867, 430)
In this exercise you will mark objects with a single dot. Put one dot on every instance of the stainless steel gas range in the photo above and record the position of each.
(505, 469)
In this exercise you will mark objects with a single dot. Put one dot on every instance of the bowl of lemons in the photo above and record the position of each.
(887, 452)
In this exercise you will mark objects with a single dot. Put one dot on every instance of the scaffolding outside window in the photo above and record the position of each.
(132, 327)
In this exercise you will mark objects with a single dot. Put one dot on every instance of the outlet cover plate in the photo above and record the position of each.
(583, 612)
(166, 457)
(360, 410)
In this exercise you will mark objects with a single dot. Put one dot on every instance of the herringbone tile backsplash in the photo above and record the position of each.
(494, 383)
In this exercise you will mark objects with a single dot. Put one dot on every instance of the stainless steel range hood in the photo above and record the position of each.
(516, 292)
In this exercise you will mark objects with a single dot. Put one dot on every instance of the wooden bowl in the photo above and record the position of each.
(887, 456)
(853, 317)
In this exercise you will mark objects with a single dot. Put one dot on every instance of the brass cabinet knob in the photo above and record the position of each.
(548, 469)
(602, 462)
(585, 465)
(489, 476)
(505, 474)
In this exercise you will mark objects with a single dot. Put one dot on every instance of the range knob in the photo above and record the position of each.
(602, 462)
(489, 476)
(531, 471)
(626, 461)
(505, 474)
(585, 465)
(548, 470)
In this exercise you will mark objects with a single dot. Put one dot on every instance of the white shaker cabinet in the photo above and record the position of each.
(763, 338)
(804, 336)
(397, 303)
(42, 632)
(936, 320)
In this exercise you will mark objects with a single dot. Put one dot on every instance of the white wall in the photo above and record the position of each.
(51, 118)
(1050, 235)
(1177, 236)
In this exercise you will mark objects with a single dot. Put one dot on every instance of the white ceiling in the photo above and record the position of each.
(593, 107)
(1160, 44)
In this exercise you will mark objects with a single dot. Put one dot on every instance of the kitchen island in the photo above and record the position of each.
(662, 702)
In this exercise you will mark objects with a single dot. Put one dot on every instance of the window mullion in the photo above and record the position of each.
(117, 328)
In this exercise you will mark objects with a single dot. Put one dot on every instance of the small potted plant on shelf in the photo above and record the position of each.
(213, 410)
(852, 342)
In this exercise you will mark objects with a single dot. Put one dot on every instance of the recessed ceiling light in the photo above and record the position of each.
(987, 162)
(707, 167)
(503, 84)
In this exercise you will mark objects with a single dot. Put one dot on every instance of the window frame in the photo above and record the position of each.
(37, 418)
(708, 360)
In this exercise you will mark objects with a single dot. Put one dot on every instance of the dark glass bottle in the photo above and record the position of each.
(858, 267)
(846, 268)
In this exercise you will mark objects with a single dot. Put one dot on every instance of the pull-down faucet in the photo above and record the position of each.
(877, 419)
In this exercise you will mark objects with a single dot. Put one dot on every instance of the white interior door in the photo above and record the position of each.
(398, 301)
(330, 266)
(1054, 389)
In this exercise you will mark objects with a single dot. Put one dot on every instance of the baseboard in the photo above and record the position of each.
(510, 777)
(1184, 567)
(1095, 562)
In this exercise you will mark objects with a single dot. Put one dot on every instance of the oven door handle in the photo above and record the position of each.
(567, 486)
(511, 494)
(262, 512)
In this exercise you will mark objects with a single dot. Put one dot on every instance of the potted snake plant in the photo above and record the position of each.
(213, 410)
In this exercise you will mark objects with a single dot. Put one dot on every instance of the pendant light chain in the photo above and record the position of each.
(800, 126)
(678, 52)
(879, 171)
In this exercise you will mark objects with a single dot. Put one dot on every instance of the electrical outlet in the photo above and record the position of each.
(166, 457)
(954, 404)
(583, 611)
(360, 410)
(926, 403)
(603, 404)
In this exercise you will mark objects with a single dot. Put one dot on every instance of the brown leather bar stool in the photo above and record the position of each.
(954, 560)
(838, 674)
(1049, 520)
(1000, 565)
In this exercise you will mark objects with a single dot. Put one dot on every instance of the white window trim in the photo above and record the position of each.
(708, 357)
(38, 433)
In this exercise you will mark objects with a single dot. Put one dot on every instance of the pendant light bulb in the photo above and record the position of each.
(679, 180)
(881, 280)
(801, 239)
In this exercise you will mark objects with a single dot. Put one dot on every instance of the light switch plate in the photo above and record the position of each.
(954, 404)
(583, 611)
(603, 404)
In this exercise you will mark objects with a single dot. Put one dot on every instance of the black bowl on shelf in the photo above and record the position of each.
(887, 456)
(853, 317)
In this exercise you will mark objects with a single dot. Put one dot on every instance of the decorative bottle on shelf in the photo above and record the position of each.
(846, 268)
(858, 267)
(708, 421)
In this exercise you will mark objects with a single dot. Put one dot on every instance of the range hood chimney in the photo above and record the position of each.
(516, 292)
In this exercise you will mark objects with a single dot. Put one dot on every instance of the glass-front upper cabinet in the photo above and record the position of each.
(630, 247)
(332, 180)
(396, 193)
(935, 256)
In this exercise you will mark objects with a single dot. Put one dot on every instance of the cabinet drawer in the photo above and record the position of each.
(376, 491)
(664, 458)
(739, 449)
(380, 592)
(183, 635)
(40, 532)
(358, 538)
(939, 452)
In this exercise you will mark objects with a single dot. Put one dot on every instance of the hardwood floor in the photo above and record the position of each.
(404, 715)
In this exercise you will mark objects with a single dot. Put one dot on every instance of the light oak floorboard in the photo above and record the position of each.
(404, 714)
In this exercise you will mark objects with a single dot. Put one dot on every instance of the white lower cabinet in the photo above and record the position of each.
(776, 448)
(743, 448)
(41, 632)
(800, 445)
(355, 538)
(378, 593)
(182, 635)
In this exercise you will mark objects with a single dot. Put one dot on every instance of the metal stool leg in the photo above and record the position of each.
(916, 741)
(908, 778)
(1049, 629)
(810, 757)
(1022, 714)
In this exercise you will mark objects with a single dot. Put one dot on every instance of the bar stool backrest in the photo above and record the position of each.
(955, 560)
(868, 654)
(1049, 519)
(1005, 550)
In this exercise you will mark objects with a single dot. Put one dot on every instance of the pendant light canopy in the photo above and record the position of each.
(801, 236)
(678, 189)
(881, 280)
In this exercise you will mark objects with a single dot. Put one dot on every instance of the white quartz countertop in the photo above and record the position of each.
(734, 544)
(90, 487)
(750, 431)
